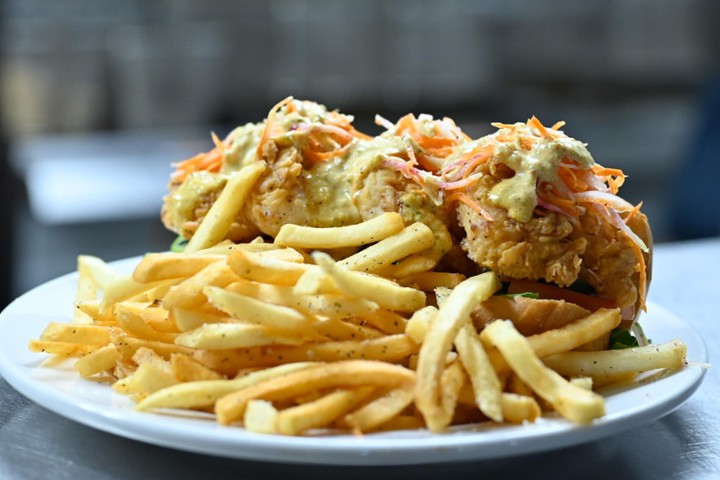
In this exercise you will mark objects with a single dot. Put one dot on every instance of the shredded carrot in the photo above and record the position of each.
(633, 212)
(411, 155)
(569, 178)
(460, 184)
(210, 161)
(218, 143)
(605, 172)
(442, 142)
(464, 198)
(534, 122)
(547, 192)
(270, 125)
(406, 169)
(528, 142)
(340, 121)
(406, 123)
(500, 125)
(474, 161)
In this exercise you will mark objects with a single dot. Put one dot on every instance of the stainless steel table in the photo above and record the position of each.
(35, 443)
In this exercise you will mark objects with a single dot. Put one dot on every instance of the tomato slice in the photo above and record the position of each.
(553, 292)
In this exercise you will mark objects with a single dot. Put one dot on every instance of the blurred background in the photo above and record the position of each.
(99, 97)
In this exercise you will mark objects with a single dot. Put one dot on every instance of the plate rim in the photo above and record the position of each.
(372, 449)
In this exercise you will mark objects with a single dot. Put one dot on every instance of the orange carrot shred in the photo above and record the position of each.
(534, 122)
(270, 125)
(633, 212)
(462, 197)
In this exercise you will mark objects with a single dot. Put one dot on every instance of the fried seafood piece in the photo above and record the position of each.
(550, 213)
(321, 173)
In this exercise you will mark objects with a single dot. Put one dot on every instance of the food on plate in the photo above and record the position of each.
(527, 202)
(331, 280)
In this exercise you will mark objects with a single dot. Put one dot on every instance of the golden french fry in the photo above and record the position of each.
(319, 413)
(349, 373)
(328, 305)
(408, 266)
(61, 349)
(253, 266)
(101, 360)
(379, 411)
(452, 315)
(189, 319)
(101, 273)
(452, 380)
(127, 346)
(165, 266)
(338, 329)
(189, 292)
(402, 422)
(218, 336)
(86, 290)
(255, 311)
(390, 348)
(148, 378)
(519, 408)
(260, 417)
(412, 239)
(441, 294)
(129, 318)
(585, 383)
(223, 247)
(419, 324)
(315, 282)
(384, 292)
(282, 254)
(145, 355)
(187, 369)
(369, 231)
(216, 224)
(91, 308)
(158, 318)
(576, 333)
(515, 384)
(386, 321)
(90, 335)
(429, 281)
(484, 379)
(574, 403)
(202, 394)
(609, 364)
(125, 288)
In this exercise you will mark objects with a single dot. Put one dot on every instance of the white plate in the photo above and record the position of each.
(96, 405)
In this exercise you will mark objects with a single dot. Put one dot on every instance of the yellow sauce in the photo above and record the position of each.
(539, 164)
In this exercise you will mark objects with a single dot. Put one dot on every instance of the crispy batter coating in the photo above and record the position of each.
(549, 247)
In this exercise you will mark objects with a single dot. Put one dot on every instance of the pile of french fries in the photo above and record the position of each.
(340, 328)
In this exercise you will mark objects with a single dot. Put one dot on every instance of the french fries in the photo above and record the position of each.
(217, 222)
(361, 334)
(573, 402)
(453, 314)
(609, 364)
(373, 230)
